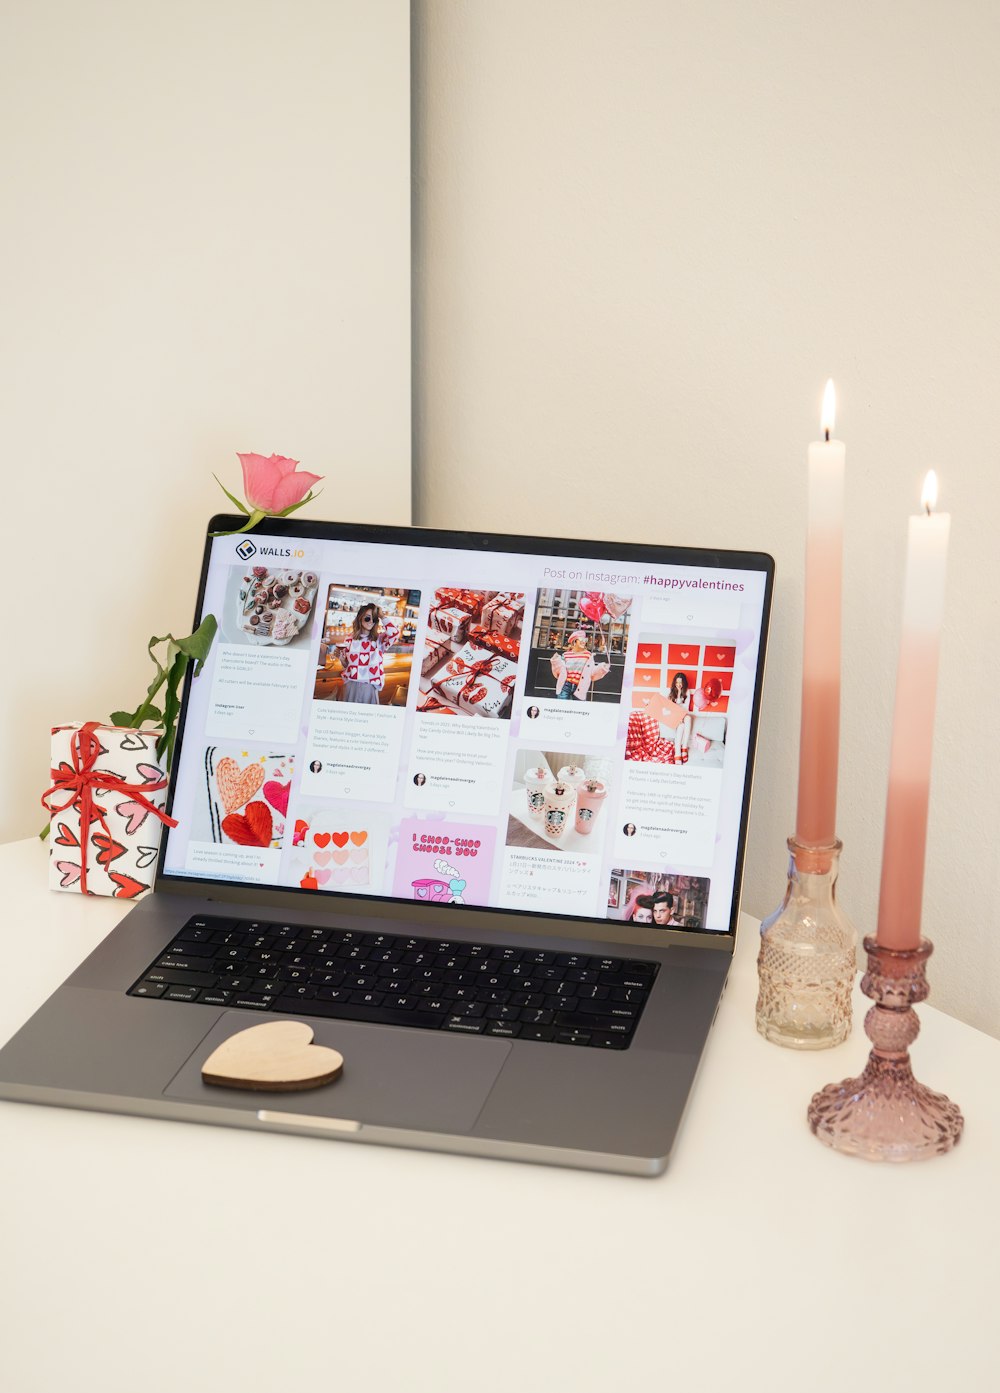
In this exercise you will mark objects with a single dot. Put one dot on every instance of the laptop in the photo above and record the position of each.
(473, 808)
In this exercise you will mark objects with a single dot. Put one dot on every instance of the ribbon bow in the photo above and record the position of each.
(482, 668)
(80, 779)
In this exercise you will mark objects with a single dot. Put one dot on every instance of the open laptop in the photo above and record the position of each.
(472, 807)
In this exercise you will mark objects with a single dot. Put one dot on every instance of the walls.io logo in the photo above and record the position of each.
(246, 549)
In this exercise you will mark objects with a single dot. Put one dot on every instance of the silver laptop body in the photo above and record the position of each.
(519, 840)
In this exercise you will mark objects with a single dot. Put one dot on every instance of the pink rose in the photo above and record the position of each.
(275, 484)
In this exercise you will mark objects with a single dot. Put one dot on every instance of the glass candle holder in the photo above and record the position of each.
(808, 956)
(884, 1114)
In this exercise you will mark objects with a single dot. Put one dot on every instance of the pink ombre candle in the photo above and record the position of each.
(913, 726)
(819, 743)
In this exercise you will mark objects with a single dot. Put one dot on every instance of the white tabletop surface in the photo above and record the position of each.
(145, 1255)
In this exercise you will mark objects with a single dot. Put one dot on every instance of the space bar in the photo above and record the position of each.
(344, 1011)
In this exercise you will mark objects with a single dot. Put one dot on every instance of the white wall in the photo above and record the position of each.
(645, 234)
(204, 248)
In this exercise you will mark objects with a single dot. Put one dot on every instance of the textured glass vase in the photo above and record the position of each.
(808, 956)
(885, 1114)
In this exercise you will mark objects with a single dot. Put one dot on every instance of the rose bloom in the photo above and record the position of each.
(276, 483)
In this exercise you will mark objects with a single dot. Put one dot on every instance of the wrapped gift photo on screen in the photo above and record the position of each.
(471, 652)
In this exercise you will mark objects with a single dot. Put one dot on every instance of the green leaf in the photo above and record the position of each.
(194, 648)
(197, 645)
(235, 501)
(301, 504)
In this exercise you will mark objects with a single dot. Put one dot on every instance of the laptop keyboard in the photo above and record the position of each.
(387, 979)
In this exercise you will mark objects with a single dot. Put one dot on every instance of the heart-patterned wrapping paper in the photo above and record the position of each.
(121, 862)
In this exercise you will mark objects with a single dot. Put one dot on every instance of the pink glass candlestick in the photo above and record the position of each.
(884, 1114)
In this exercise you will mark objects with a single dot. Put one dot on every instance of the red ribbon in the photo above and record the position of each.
(483, 668)
(80, 780)
(446, 606)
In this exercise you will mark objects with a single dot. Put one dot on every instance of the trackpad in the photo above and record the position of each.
(419, 1079)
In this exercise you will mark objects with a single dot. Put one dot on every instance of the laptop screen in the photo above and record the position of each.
(534, 726)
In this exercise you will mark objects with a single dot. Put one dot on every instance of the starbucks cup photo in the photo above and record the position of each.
(557, 808)
(590, 796)
(536, 781)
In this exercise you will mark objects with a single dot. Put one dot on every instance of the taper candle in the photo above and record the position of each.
(913, 726)
(819, 743)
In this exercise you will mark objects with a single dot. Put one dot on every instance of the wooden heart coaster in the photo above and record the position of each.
(278, 1056)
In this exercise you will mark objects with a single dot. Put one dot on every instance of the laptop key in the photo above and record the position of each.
(537, 1032)
(149, 989)
(610, 1008)
(505, 1029)
(530, 1016)
(177, 978)
(607, 1024)
(214, 998)
(630, 994)
(252, 1001)
(174, 963)
(572, 1037)
(181, 994)
(193, 950)
(610, 1042)
(465, 1025)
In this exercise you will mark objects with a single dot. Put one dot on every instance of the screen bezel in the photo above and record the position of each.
(428, 917)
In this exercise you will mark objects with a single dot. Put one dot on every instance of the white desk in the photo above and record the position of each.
(145, 1256)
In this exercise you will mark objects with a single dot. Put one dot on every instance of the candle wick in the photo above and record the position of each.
(927, 509)
(826, 435)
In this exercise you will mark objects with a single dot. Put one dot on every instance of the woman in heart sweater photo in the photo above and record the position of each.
(363, 655)
(367, 650)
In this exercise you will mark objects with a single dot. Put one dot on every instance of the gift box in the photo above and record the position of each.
(469, 600)
(504, 611)
(106, 805)
(494, 600)
(478, 681)
(450, 620)
(702, 743)
(506, 619)
(497, 643)
(435, 651)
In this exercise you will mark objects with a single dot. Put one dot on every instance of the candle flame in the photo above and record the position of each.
(829, 411)
(928, 498)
